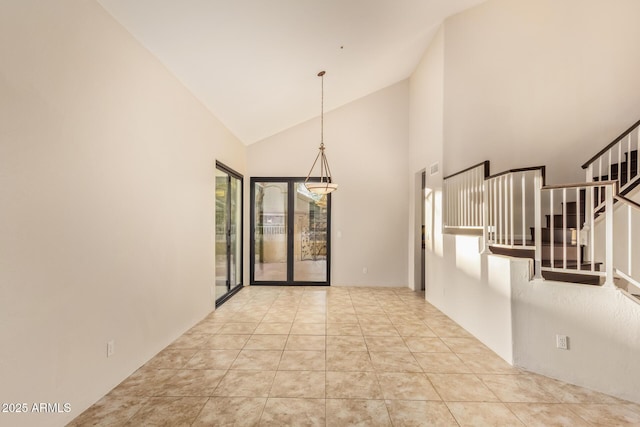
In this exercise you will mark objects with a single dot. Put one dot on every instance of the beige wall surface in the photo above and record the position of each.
(601, 326)
(539, 82)
(426, 100)
(107, 205)
(366, 145)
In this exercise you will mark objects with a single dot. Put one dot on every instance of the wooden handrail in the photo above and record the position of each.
(614, 142)
(533, 168)
(617, 194)
(628, 201)
(486, 170)
(581, 184)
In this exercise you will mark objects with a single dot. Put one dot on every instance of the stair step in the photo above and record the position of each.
(558, 253)
(572, 220)
(515, 253)
(634, 156)
(571, 264)
(557, 262)
(571, 207)
(583, 279)
(560, 235)
(554, 275)
(624, 176)
(600, 195)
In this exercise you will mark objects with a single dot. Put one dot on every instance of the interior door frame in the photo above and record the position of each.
(239, 230)
(290, 181)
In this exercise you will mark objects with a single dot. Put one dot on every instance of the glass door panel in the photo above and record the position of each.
(222, 271)
(228, 259)
(270, 231)
(235, 254)
(310, 236)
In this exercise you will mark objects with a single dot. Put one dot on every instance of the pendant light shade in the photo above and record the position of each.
(325, 185)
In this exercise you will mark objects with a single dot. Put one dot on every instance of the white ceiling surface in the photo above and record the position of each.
(254, 63)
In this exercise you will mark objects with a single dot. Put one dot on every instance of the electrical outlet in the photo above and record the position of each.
(365, 270)
(111, 348)
(562, 342)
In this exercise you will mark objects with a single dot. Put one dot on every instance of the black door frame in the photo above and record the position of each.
(423, 267)
(290, 181)
(239, 229)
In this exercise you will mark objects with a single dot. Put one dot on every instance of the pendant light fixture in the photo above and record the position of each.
(324, 186)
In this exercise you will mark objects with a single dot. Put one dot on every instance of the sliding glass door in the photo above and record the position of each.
(228, 232)
(289, 227)
(310, 236)
(270, 231)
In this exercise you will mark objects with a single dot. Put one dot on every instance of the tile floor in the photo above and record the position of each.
(307, 356)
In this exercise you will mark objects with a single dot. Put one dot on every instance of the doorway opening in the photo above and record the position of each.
(290, 233)
(419, 242)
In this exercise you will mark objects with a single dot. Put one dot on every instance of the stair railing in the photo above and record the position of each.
(629, 214)
(617, 161)
(510, 207)
(463, 199)
(565, 237)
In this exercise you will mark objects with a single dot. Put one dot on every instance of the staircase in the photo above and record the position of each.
(575, 222)
(561, 247)
(626, 178)
(626, 167)
(560, 244)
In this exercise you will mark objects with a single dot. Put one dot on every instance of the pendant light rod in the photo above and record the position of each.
(325, 185)
(321, 75)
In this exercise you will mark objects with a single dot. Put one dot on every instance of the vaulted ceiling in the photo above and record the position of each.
(253, 63)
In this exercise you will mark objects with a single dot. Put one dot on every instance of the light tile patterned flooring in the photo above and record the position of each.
(280, 356)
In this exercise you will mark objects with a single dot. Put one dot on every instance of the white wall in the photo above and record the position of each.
(366, 146)
(535, 82)
(475, 291)
(604, 340)
(107, 191)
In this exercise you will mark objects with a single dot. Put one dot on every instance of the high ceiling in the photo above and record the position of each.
(253, 63)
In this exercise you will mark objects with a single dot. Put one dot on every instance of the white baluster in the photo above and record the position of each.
(592, 228)
(608, 283)
(511, 206)
(551, 228)
(537, 196)
(499, 211)
(600, 165)
(496, 213)
(485, 217)
(564, 228)
(629, 243)
(628, 159)
(578, 224)
(505, 204)
(619, 144)
(524, 212)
